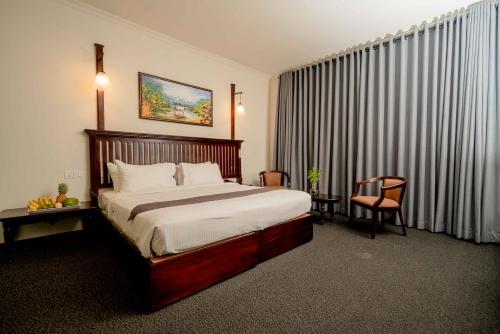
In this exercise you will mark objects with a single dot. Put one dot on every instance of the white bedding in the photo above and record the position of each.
(180, 228)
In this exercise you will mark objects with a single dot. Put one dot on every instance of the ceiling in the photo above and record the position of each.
(273, 35)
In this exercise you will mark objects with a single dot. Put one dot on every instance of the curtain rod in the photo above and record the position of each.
(436, 22)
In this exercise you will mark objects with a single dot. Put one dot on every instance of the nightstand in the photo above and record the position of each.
(12, 219)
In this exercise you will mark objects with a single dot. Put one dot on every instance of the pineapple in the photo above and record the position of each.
(63, 190)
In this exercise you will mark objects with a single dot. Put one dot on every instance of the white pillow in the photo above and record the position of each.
(178, 171)
(143, 178)
(115, 176)
(193, 174)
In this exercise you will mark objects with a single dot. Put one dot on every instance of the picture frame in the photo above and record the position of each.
(168, 100)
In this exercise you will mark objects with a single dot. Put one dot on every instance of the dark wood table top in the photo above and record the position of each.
(21, 213)
(325, 198)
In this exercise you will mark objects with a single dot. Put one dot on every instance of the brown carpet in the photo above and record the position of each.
(340, 282)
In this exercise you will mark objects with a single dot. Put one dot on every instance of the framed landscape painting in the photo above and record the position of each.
(171, 101)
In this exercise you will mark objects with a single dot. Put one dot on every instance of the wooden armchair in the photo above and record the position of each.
(274, 178)
(390, 199)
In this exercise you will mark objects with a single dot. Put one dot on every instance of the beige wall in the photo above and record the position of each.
(46, 96)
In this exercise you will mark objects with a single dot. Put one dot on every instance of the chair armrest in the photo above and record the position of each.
(363, 182)
(288, 184)
(287, 180)
(394, 186)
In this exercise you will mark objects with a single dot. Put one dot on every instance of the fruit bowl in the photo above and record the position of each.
(46, 203)
(53, 209)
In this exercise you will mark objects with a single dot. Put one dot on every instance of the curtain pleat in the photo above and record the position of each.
(423, 106)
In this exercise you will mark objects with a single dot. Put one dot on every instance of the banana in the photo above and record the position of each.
(35, 204)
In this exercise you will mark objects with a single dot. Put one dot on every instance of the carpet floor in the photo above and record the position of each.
(341, 282)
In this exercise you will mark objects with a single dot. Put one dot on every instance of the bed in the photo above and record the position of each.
(177, 250)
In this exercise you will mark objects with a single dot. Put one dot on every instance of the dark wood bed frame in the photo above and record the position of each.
(166, 279)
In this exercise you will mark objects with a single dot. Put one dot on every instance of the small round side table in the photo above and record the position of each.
(326, 203)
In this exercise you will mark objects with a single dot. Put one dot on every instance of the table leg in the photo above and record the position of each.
(332, 212)
(87, 222)
(321, 213)
(88, 228)
(9, 235)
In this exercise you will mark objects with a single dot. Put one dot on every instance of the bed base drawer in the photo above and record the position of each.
(281, 238)
(179, 276)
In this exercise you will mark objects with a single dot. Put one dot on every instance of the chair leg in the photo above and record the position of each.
(374, 223)
(400, 213)
(382, 218)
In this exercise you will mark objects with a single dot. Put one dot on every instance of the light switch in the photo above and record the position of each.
(72, 174)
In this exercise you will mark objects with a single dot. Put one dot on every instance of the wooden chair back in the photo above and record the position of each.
(396, 194)
(274, 178)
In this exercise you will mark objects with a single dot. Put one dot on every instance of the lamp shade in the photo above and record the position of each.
(240, 109)
(102, 82)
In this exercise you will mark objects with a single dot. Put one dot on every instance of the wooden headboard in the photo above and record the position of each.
(145, 149)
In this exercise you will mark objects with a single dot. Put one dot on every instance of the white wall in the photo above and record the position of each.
(47, 65)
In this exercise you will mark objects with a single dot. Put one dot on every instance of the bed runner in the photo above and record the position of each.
(195, 200)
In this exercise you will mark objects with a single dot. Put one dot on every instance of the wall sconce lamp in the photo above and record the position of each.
(240, 109)
(101, 83)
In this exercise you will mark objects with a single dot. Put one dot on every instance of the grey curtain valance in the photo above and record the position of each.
(424, 107)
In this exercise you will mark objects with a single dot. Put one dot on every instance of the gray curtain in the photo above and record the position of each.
(423, 106)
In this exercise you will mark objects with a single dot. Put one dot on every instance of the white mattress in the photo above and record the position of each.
(180, 228)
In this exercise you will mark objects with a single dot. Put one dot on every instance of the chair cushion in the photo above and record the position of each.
(369, 200)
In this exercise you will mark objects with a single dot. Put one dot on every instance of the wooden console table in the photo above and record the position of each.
(12, 219)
